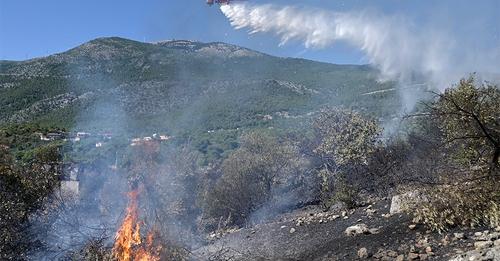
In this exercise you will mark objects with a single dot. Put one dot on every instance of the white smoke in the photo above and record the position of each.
(401, 51)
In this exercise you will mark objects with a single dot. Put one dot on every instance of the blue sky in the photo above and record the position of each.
(33, 28)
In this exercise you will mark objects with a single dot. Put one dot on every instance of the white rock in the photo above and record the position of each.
(363, 253)
(482, 244)
(357, 229)
(406, 200)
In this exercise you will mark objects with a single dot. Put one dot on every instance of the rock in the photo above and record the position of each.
(374, 231)
(380, 254)
(482, 244)
(363, 253)
(337, 207)
(292, 230)
(445, 241)
(385, 254)
(424, 242)
(357, 230)
(428, 250)
(412, 226)
(413, 256)
(459, 236)
(391, 253)
(400, 258)
(333, 217)
(422, 256)
(494, 236)
(370, 212)
(403, 248)
(478, 234)
(405, 201)
(485, 254)
(497, 242)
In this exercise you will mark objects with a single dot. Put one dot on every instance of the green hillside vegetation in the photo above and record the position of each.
(184, 88)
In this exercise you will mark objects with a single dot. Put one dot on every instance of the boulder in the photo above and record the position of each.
(357, 230)
(482, 244)
(413, 256)
(337, 207)
(459, 236)
(406, 200)
(363, 253)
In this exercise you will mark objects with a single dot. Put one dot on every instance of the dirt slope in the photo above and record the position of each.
(310, 234)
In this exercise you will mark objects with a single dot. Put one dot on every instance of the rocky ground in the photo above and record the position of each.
(368, 232)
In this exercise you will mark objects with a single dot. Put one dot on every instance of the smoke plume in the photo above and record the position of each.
(402, 52)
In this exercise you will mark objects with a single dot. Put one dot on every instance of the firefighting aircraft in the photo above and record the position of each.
(220, 2)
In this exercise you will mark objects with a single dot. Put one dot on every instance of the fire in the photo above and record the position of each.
(128, 244)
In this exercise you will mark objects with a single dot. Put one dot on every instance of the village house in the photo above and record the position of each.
(82, 134)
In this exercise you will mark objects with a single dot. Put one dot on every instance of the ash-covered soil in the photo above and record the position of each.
(311, 234)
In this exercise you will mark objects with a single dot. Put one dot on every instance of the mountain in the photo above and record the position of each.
(180, 87)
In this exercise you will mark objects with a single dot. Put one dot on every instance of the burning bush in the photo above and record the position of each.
(130, 245)
(94, 249)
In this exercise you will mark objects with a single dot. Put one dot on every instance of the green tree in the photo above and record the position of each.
(469, 127)
(344, 139)
(469, 119)
(249, 175)
(344, 136)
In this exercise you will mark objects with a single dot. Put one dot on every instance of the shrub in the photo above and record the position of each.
(94, 249)
(23, 191)
(344, 137)
(345, 193)
(466, 204)
(249, 177)
(344, 143)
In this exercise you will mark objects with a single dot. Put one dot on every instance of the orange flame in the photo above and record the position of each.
(128, 245)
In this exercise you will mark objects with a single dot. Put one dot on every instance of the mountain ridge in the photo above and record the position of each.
(181, 87)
